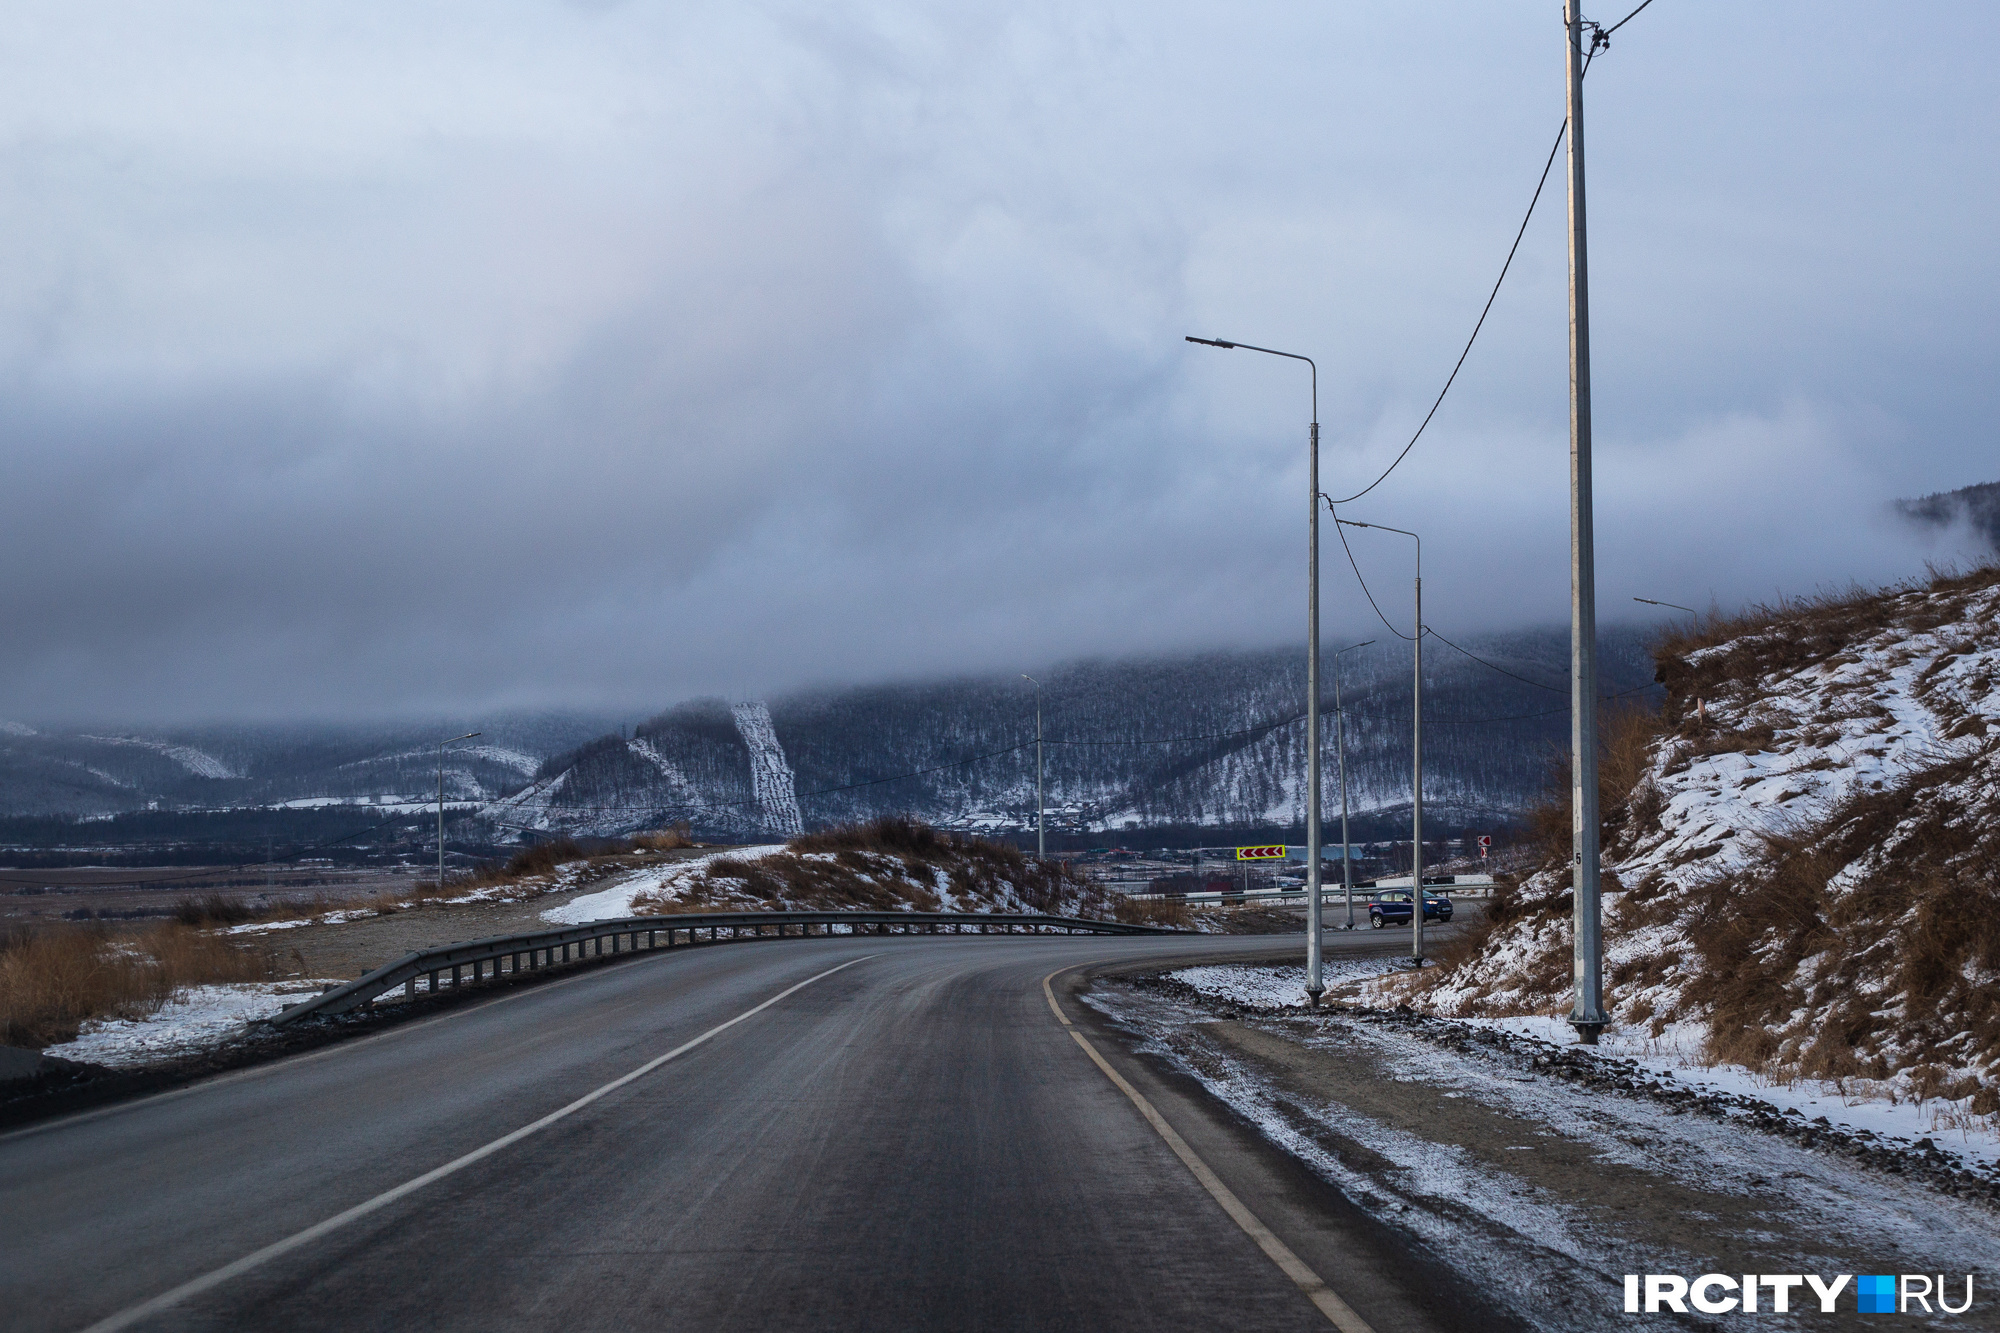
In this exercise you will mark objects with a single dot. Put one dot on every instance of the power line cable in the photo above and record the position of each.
(1555, 689)
(1486, 310)
(1621, 23)
(1189, 740)
(1600, 39)
(1406, 638)
(1546, 712)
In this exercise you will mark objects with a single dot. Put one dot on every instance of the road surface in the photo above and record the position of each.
(909, 1141)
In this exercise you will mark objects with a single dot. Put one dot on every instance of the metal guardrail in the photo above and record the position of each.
(513, 955)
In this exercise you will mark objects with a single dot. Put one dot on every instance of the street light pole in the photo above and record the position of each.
(1313, 984)
(1041, 832)
(1417, 747)
(1587, 1015)
(441, 744)
(1340, 749)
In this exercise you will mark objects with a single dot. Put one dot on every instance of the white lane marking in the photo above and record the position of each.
(1338, 1312)
(209, 1281)
(223, 1080)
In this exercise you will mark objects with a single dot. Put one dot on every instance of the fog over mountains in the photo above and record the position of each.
(1215, 739)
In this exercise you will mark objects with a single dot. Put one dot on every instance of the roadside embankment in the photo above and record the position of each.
(1800, 854)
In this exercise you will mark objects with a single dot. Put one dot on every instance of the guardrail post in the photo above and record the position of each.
(434, 983)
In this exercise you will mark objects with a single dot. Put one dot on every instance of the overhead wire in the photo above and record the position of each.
(1406, 638)
(1485, 310)
(1622, 22)
(1601, 38)
(1546, 712)
(1556, 689)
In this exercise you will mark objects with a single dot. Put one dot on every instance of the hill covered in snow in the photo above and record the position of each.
(1215, 740)
(1212, 740)
(1801, 851)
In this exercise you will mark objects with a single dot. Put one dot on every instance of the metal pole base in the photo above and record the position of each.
(1587, 1032)
(1312, 998)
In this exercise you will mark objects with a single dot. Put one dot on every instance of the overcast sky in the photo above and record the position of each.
(375, 359)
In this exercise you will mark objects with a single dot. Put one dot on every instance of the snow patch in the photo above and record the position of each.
(198, 1019)
(666, 881)
(1254, 987)
(198, 762)
(771, 777)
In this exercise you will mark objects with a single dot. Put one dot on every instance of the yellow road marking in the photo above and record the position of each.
(1338, 1312)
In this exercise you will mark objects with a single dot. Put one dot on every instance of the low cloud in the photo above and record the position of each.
(596, 356)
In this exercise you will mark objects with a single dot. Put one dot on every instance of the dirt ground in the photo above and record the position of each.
(38, 897)
(1553, 1188)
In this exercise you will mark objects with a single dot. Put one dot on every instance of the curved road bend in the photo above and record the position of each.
(911, 1142)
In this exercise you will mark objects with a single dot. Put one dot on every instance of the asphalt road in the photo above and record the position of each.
(910, 1142)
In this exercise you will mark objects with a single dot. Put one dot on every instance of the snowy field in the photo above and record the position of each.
(201, 1018)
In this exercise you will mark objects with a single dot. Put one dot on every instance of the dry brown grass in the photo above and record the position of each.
(1626, 734)
(217, 909)
(1770, 639)
(1899, 958)
(52, 981)
(1151, 912)
(1626, 803)
(889, 864)
(896, 834)
(543, 857)
(663, 840)
(1856, 943)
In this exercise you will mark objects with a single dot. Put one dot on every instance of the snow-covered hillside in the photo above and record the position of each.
(1806, 864)
(1214, 740)
(770, 775)
(1210, 740)
(892, 865)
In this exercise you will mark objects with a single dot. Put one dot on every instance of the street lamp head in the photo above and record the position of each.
(1209, 342)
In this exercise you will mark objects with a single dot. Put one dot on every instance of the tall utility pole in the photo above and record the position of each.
(1315, 910)
(1417, 776)
(1041, 831)
(1314, 985)
(441, 744)
(1588, 1014)
(1340, 749)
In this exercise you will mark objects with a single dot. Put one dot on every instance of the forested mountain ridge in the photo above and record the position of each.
(1213, 739)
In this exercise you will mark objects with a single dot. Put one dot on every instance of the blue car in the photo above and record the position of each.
(1392, 908)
